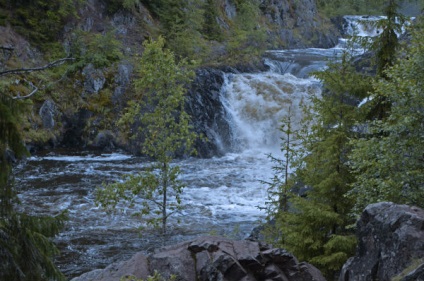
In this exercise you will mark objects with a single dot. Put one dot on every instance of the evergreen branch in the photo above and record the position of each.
(24, 70)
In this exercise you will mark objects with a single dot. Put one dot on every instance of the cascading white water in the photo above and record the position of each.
(258, 102)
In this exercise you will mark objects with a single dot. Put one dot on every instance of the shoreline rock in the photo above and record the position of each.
(212, 258)
(390, 245)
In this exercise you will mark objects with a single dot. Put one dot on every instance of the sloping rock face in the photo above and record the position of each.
(391, 244)
(208, 113)
(210, 259)
(299, 24)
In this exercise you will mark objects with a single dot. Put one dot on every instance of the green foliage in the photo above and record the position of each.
(25, 246)
(280, 186)
(388, 161)
(316, 228)
(355, 159)
(165, 134)
(315, 232)
(26, 249)
(101, 50)
(211, 28)
(182, 22)
(247, 40)
(41, 21)
(10, 141)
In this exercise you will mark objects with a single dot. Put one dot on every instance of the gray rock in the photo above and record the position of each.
(212, 259)
(208, 114)
(104, 140)
(47, 113)
(122, 81)
(391, 238)
(137, 266)
(298, 25)
(94, 79)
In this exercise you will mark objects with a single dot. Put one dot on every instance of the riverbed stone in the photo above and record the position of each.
(212, 258)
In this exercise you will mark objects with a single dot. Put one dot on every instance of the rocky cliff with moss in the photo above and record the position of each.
(81, 56)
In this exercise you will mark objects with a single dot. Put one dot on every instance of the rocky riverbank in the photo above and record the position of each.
(391, 247)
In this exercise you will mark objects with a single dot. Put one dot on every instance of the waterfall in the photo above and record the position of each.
(256, 104)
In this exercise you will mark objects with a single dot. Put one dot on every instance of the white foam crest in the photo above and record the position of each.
(79, 158)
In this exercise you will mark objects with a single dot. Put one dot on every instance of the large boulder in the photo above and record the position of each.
(212, 258)
(391, 245)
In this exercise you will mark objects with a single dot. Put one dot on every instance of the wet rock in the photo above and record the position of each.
(212, 259)
(391, 238)
(104, 140)
(208, 114)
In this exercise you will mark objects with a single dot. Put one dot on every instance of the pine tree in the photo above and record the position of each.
(26, 249)
(182, 22)
(280, 186)
(317, 229)
(248, 38)
(211, 28)
(385, 47)
(166, 133)
(388, 162)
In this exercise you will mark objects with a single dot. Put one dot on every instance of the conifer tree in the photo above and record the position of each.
(385, 47)
(280, 186)
(317, 229)
(26, 249)
(211, 27)
(388, 162)
(248, 38)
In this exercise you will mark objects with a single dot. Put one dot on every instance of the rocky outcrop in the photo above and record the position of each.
(48, 112)
(212, 258)
(205, 107)
(94, 79)
(391, 245)
(299, 24)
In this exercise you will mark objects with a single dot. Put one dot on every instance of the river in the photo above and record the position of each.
(223, 194)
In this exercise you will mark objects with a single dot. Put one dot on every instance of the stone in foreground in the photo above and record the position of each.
(390, 245)
(212, 258)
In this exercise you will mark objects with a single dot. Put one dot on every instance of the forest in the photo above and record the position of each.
(361, 141)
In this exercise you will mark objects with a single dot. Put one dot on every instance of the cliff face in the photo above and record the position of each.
(80, 107)
(299, 24)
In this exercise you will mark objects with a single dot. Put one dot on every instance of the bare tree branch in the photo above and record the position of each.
(24, 70)
(5, 48)
(34, 90)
